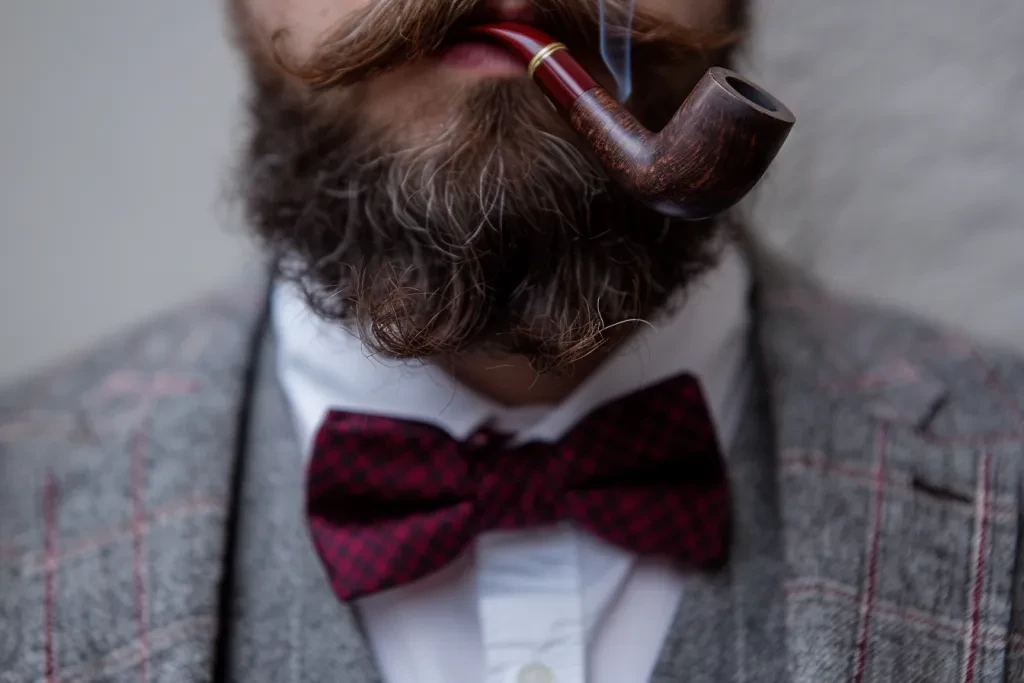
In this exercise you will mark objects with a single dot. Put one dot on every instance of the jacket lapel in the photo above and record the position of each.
(898, 487)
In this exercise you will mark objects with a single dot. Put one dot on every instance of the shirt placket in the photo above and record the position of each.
(530, 604)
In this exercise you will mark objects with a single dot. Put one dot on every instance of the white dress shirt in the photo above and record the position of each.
(547, 605)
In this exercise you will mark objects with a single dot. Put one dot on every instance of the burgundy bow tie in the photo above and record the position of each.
(391, 501)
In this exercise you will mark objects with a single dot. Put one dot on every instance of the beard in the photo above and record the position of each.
(498, 235)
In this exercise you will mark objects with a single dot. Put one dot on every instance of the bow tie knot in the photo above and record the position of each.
(517, 487)
(391, 501)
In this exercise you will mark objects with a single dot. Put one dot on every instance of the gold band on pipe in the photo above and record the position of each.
(543, 54)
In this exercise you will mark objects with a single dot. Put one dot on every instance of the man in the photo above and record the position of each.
(492, 420)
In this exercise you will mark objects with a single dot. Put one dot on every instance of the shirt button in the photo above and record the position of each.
(535, 673)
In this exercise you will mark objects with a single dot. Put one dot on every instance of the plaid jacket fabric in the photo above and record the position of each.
(895, 481)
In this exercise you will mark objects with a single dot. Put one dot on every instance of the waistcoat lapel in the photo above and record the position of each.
(730, 623)
(898, 484)
(288, 627)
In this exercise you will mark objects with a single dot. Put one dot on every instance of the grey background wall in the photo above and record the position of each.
(903, 180)
(117, 123)
(118, 119)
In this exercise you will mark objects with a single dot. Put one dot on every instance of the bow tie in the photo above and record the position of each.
(391, 501)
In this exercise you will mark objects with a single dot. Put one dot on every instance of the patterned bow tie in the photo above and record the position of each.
(391, 501)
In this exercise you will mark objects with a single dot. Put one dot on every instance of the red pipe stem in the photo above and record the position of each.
(559, 75)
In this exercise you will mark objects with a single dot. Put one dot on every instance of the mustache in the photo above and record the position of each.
(389, 33)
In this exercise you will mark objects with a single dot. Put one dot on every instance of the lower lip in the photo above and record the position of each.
(481, 58)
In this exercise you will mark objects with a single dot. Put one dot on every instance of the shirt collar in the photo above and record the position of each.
(325, 367)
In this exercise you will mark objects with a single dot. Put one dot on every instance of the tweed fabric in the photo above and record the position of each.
(730, 624)
(114, 479)
(391, 501)
(892, 504)
(899, 457)
(287, 626)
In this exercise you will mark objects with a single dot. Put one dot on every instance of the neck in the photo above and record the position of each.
(512, 382)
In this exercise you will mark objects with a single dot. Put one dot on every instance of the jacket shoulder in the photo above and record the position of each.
(897, 364)
(186, 339)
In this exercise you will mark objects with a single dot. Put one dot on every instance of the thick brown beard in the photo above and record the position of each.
(499, 237)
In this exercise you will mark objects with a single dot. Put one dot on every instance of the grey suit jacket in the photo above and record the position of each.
(895, 470)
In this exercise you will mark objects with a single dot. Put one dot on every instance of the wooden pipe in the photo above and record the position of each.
(708, 157)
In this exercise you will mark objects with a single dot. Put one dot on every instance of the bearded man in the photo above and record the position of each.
(493, 419)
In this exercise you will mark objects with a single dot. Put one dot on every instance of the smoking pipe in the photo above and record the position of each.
(709, 156)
